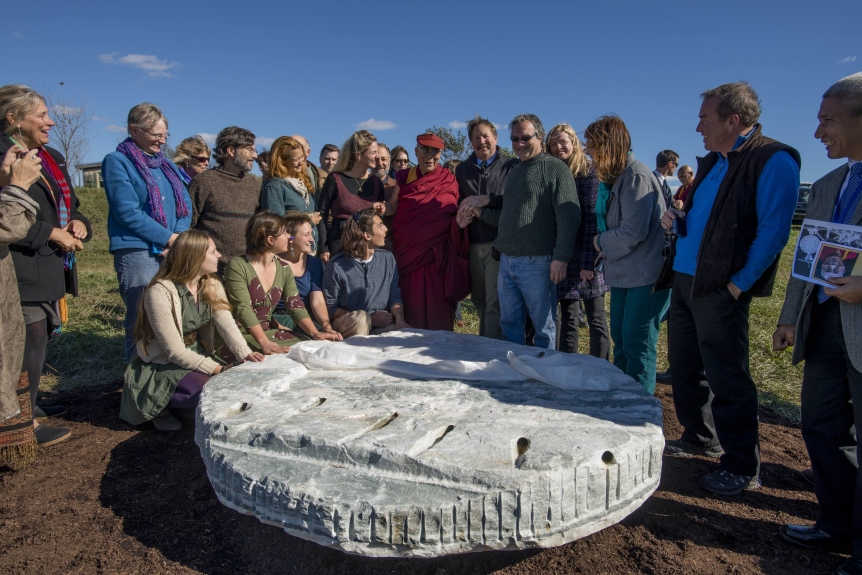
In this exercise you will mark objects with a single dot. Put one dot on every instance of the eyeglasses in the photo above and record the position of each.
(429, 151)
(201, 159)
(166, 136)
(524, 139)
(401, 161)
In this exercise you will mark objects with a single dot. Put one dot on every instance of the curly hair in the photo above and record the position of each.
(231, 137)
(610, 141)
(189, 149)
(353, 242)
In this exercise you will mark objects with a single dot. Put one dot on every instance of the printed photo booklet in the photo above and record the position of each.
(825, 251)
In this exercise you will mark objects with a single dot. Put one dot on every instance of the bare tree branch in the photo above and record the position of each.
(71, 132)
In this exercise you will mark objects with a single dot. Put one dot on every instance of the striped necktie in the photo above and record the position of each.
(847, 205)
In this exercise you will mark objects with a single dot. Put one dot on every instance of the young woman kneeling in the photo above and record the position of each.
(181, 309)
(256, 283)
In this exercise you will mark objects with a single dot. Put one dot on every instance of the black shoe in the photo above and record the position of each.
(723, 482)
(662, 376)
(682, 448)
(811, 537)
(808, 475)
(50, 435)
(852, 566)
(42, 411)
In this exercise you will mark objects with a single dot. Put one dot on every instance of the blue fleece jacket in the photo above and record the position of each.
(777, 190)
(130, 225)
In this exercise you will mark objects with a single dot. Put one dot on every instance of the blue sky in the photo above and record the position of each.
(321, 69)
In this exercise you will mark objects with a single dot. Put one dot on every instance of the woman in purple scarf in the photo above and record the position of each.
(148, 207)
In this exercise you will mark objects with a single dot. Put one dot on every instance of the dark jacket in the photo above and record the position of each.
(476, 181)
(39, 262)
(732, 224)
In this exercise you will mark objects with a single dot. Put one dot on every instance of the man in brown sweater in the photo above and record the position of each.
(225, 198)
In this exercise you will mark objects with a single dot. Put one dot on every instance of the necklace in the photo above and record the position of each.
(359, 183)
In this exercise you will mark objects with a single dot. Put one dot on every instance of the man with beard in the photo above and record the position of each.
(225, 198)
(484, 173)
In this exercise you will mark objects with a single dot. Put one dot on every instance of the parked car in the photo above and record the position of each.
(801, 203)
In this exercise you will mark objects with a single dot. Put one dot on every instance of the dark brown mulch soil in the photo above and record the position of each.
(118, 499)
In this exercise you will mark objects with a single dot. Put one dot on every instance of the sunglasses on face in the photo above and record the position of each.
(403, 161)
(524, 139)
(201, 159)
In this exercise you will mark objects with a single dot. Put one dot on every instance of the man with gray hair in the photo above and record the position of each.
(225, 198)
(824, 326)
(728, 255)
(536, 229)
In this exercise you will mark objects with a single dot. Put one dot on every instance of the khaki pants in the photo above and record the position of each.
(483, 271)
(358, 323)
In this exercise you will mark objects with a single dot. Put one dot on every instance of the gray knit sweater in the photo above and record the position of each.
(541, 214)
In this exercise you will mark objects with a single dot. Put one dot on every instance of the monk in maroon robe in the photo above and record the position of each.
(431, 246)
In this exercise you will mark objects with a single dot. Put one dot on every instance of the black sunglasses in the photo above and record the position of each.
(522, 138)
(202, 159)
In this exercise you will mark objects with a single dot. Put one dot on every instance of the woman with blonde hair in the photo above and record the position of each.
(582, 281)
(192, 157)
(45, 258)
(175, 334)
(630, 241)
(350, 188)
(288, 187)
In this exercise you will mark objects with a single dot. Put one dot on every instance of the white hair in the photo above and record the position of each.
(849, 91)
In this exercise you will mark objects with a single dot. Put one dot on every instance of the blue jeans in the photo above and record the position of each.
(524, 286)
(135, 268)
(635, 317)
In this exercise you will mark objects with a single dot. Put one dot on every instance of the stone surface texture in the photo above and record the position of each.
(380, 464)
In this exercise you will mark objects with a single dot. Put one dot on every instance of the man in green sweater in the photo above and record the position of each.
(537, 225)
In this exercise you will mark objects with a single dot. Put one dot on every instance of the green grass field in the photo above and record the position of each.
(91, 348)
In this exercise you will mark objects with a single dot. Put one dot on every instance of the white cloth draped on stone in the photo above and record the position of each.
(565, 371)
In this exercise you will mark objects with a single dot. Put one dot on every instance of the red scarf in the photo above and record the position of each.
(64, 208)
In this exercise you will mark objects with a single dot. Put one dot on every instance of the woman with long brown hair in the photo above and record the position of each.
(288, 187)
(583, 283)
(630, 240)
(182, 308)
(351, 188)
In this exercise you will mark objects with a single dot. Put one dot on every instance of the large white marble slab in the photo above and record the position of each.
(383, 464)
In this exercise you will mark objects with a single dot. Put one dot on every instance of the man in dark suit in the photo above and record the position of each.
(824, 325)
(666, 164)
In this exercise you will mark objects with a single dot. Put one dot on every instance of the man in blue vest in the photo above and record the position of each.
(738, 217)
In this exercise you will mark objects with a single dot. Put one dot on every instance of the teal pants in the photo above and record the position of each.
(635, 317)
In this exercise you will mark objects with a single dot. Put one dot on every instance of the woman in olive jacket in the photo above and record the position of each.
(44, 258)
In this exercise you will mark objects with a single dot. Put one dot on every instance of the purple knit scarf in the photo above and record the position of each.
(144, 164)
